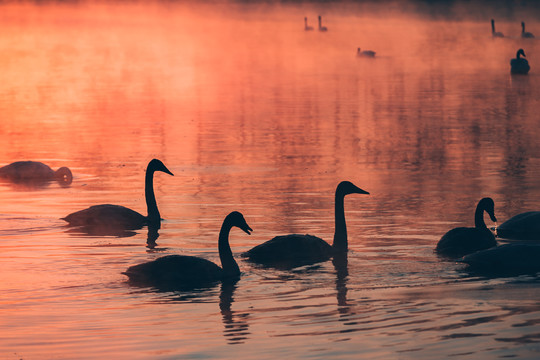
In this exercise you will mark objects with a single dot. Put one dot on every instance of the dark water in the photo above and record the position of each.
(251, 113)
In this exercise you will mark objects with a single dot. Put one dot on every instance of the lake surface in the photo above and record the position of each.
(252, 113)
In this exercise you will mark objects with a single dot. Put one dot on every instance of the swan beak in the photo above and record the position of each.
(247, 229)
(167, 171)
(360, 191)
(492, 216)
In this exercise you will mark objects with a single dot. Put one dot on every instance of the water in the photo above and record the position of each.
(251, 113)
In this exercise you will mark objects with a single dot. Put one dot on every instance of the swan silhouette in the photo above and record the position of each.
(493, 32)
(295, 249)
(524, 226)
(525, 34)
(180, 271)
(365, 53)
(519, 65)
(306, 27)
(509, 259)
(116, 216)
(465, 240)
(35, 171)
(322, 28)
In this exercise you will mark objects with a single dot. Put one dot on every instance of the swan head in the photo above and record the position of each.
(520, 52)
(347, 187)
(157, 165)
(523, 25)
(237, 219)
(489, 206)
(64, 175)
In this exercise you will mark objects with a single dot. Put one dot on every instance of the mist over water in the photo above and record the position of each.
(253, 113)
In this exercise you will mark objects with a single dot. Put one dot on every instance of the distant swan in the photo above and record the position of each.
(509, 259)
(32, 171)
(116, 216)
(465, 240)
(179, 271)
(525, 34)
(519, 65)
(322, 28)
(304, 249)
(306, 27)
(493, 32)
(524, 226)
(365, 53)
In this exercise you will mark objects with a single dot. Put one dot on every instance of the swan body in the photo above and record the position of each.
(506, 259)
(493, 32)
(322, 28)
(116, 216)
(465, 240)
(525, 34)
(29, 171)
(180, 271)
(519, 65)
(365, 53)
(306, 27)
(524, 226)
(296, 249)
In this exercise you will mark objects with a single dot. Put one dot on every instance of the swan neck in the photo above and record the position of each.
(229, 265)
(151, 205)
(492, 27)
(340, 232)
(479, 217)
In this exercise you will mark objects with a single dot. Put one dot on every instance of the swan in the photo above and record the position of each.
(306, 27)
(524, 226)
(506, 259)
(28, 171)
(525, 34)
(116, 216)
(322, 28)
(179, 271)
(465, 240)
(519, 65)
(365, 53)
(296, 249)
(493, 32)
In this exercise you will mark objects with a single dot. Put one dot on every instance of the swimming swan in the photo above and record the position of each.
(322, 28)
(493, 32)
(524, 226)
(465, 240)
(306, 27)
(510, 259)
(525, 34)
(519, 65)
(365, 53)
(304, 249)
(35, 171)
(116, 216)
(179, 271)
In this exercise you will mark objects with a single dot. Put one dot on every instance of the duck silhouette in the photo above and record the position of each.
(35, 171)
(525, 34)
(465, 240)
(185, 272)
(120, 217)
(519, 65)
(524, 226)
(295, 249)
(493, 32)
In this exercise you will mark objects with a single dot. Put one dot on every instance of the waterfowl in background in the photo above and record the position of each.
(116, 216)
(493, 32)
(519, 65)
(509, 259)
(295, 249)
(365, 53)
(322, 28)
(465, 240)
(306, 27)
(180, 271)
(524, 226)
(35, 171)
(525, 34)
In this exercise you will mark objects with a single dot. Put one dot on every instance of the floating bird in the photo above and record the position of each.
(493, 32)
(306, 27)
(180, 271)
(35, 171)
(365, 53)
(525, 34)
(322, 28)
(295, 249)
(509, 259)
(116, 216)
(519, 65)
(524, 226)
(465, 240)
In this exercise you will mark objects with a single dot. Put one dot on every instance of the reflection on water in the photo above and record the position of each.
(252, 113)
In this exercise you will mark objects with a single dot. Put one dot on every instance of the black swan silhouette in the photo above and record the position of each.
(365, 53)
(35, 171)
(306, 27)
(525, 34)
(493, 32)
(322, 28)
(465, 240)
(116, 216)
(519, 65)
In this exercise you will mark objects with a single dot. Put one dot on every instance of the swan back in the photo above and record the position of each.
(524, 226)
(509, 259)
